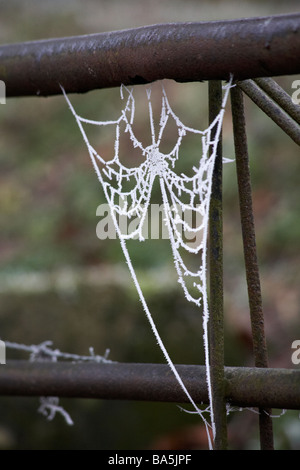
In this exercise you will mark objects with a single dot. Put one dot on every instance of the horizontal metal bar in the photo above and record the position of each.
(246, 48)
(245, 387)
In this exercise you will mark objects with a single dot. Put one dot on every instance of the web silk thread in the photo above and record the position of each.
(196, 189)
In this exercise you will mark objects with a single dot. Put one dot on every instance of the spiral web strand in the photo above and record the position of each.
(181, 194)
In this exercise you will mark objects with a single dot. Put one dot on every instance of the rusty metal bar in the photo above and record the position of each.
(216, 320)
(250, 253)
(245, 387)
(246, 48)
(268, 106)
(281, 97)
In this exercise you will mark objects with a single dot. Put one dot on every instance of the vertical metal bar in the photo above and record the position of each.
(216, 322)
(250, 254)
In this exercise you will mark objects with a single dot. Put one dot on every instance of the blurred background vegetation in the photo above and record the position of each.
(59, 282)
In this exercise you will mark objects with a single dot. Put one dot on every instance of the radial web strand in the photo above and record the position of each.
(128, 193)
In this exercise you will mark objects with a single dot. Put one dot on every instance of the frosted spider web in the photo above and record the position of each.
(180, 193)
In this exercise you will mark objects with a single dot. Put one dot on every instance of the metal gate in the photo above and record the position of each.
(252, 51)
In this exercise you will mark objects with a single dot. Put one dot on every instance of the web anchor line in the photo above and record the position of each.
(180, 193)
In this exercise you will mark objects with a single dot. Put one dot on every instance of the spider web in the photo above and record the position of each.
(128, 193)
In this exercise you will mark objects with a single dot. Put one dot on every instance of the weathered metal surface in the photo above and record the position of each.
(271, 108)
(216, 320)
(280, 96)
(250, 252)
(248, 229)
(245, 387)
(262, 387)
(247, 48)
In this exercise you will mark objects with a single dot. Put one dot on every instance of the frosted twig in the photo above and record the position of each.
(43, 351)
(49, 406)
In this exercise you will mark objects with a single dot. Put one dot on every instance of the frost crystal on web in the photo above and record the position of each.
(128, 192)
(49, 406)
